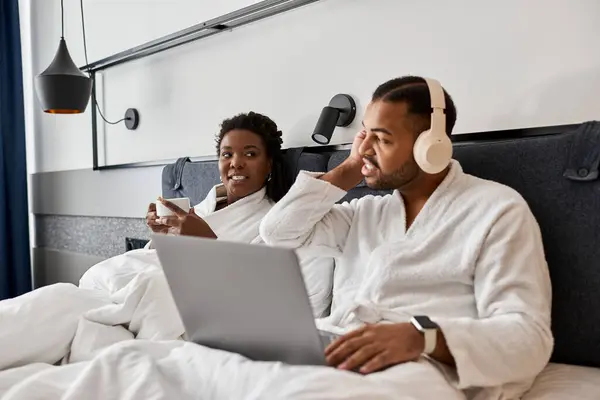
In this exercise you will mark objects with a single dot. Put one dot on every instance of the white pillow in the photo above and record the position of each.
(115, 273)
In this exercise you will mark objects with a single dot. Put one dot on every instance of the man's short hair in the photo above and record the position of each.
(413, 91)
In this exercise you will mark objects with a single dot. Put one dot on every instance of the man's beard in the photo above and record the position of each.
(397, 179)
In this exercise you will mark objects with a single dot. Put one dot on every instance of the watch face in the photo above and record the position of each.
(425, 322)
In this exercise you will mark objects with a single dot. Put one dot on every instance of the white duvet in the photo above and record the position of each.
(117, 336)
(181, 370)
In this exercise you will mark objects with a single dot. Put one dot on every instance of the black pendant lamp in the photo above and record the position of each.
(62, 88)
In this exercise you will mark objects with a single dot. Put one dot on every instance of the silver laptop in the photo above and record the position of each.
(246, 299)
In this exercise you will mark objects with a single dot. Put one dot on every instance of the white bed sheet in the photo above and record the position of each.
(566, 382)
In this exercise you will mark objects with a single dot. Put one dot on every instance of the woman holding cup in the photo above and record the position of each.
(253, 179)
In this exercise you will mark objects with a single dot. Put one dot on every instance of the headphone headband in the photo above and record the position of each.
(438, 105)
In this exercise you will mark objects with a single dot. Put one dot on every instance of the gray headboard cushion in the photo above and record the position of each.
(557, 175)
(312, 162)
(196, 180)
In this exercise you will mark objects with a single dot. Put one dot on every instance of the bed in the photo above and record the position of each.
(89, 328)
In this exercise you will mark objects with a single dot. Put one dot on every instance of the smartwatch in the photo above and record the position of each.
(429, 329)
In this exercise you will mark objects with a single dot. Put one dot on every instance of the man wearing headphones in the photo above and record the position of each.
(444, 278)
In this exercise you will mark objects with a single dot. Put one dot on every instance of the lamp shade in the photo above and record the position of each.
(325, 125)
(62, 88)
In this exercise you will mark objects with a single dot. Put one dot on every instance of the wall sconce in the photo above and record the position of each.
(340, 112)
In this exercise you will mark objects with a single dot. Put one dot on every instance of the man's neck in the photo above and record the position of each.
(423, 188)
(418, 192)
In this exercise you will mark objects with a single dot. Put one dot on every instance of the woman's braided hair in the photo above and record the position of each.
(278, 185)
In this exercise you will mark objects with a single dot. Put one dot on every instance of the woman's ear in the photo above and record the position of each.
(269, 170)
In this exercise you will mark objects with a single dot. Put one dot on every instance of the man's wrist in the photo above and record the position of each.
(418, 341)
(346, 175)
(353, 163)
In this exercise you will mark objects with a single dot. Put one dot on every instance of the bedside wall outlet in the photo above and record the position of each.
(133, 243)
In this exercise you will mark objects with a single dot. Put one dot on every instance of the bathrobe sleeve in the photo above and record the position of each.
(308, 217)
(511, 340)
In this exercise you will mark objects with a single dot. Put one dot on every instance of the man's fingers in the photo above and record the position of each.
(346, 349)
(377, 363)
(360, 357)
(341, 340)
(175, 209)
(152, 207)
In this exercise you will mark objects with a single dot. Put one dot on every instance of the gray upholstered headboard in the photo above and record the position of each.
(558, 176)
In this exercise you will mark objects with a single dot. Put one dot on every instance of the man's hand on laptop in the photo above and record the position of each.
(185, 223)
(375, 347)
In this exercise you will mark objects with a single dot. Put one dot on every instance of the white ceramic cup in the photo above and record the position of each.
(182, 202)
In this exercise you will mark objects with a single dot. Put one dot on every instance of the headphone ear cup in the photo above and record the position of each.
(432, 153)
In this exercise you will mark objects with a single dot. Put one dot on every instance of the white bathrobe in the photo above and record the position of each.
(239, 221)
(472, 261)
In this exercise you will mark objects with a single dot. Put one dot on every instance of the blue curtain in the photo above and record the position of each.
(15, 269)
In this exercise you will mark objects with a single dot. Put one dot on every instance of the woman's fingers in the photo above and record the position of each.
(170, 221)
(175, 209)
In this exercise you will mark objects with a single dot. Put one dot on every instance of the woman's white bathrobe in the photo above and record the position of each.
(238, 222)
(472, 260)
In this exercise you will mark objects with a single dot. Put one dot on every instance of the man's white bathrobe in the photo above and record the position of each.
(472, 261)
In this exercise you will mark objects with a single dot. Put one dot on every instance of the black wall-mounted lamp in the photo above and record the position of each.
(64, 89)
(340, 112)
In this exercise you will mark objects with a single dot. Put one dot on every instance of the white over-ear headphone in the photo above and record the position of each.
(433, 148)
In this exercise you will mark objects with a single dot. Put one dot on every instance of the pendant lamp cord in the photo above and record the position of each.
(62, 20)
(87, 63)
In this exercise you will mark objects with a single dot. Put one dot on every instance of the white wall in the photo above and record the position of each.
(508, 64)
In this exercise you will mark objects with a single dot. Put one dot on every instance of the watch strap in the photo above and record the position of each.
(429, 330)
(430, 340)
